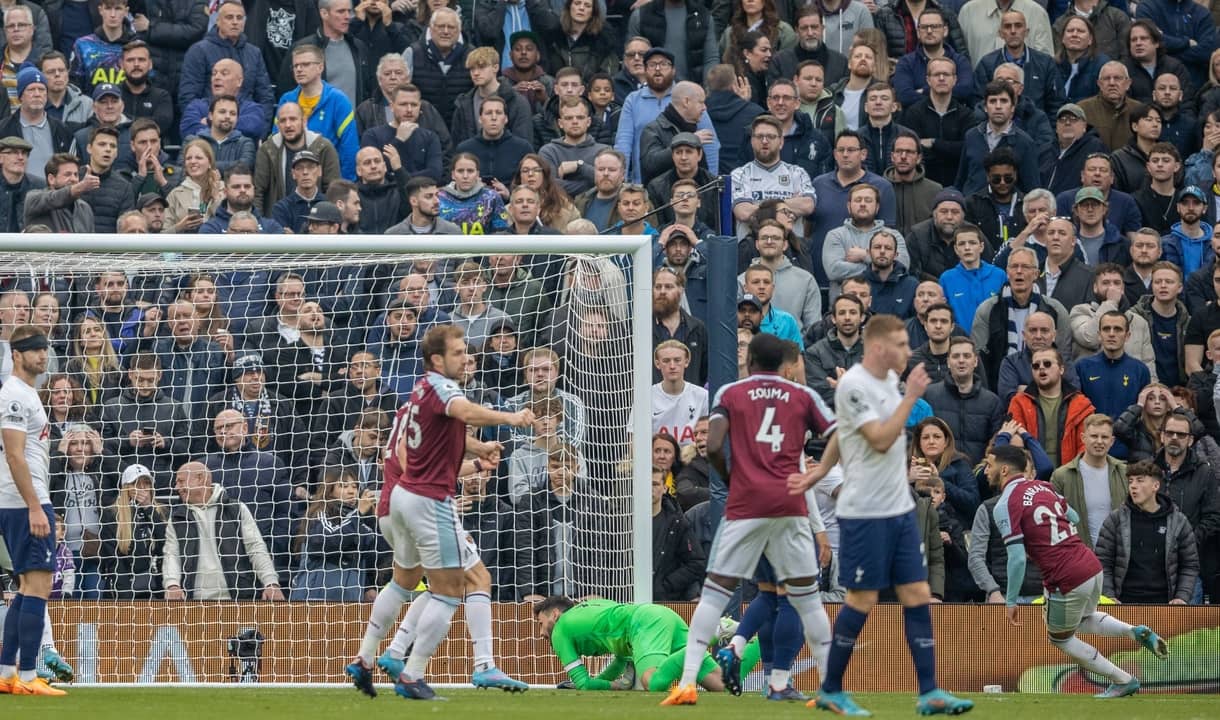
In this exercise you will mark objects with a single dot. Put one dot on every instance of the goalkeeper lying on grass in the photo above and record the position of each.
(649, 638)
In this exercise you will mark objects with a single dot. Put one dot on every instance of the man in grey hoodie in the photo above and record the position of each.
(845, 252)
(572, 154)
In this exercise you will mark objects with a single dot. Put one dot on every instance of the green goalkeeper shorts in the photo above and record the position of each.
(656, 633)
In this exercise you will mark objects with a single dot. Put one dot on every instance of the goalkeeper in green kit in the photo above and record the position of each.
(649, 638)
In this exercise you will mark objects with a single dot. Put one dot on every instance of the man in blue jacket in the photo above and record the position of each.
(1189, 32)
(1112, 379)
(910, 75)
(1000, 103)
(226, 40)
(328, 111)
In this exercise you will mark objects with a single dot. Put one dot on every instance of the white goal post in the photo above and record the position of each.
(316, 638)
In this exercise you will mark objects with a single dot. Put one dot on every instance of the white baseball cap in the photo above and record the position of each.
(135, 472)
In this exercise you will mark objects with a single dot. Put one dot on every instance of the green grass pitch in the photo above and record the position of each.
(290, 704)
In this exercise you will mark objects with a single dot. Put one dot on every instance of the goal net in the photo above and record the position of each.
(219, 410)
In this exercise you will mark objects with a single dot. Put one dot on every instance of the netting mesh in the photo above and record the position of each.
(281, 374)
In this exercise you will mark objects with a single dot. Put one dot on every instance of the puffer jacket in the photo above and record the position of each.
(112, 198)
(1130, 429)
(899, 27)
(1181, 550)
(202, 56)
(974, 417)
(1074, 407)
(677, 560)
(136, 574)
(823, 357)
(173, 27)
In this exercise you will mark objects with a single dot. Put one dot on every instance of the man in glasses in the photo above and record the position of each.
(912, 188)
(686, 153)
(910, 76)
(770, 178)
(999, 103)
(631, 76)
(694, 44)
(996, 210)
(1076, 141)
(804, 145)
(1191, 484)
(1052, 410)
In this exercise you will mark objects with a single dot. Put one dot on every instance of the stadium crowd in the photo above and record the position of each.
(1032, 187)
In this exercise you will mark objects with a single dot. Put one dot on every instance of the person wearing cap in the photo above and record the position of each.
(930, 243)
(1043, 83)
(482, 64)
(1130, 161)
(687, 105)
(1076, 141)
(573, 153)
(131, 564)
(757, 287)
(1099, 240)
(14, 160)
(693, 46)
(45, 134)
(686, 151)
(493, 21)
(152, 206)
(1098, 172)
(98, 57)
(273, 172)
(1188, 244)
(324, 218)
(60, 206)
(328, 111)
(347, 62)
(290, 212)
(108, 113)
(525, 73)
(647, 103)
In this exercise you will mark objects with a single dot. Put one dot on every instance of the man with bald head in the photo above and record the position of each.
(996, 322)
(228, 78)
(226, 40)
(1016, 372)
(272, 167)
(214, 549)
(1109, 111)
(688, 103)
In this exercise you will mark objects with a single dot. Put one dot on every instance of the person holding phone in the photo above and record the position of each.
(196, 198)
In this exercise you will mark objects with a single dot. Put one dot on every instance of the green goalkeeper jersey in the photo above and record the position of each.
(593, 627)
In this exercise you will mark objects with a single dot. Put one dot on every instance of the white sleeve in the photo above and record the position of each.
(815, 513)
(256, 549)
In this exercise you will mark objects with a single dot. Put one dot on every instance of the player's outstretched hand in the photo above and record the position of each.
(522, 418)
(798, 483)
(1011, 613)
(918, 381)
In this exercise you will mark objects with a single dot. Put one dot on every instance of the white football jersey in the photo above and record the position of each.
(675, 415)
(754, 183)
(20, 409)
(874, 484)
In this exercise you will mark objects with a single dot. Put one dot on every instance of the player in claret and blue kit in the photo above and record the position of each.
(879, 540)
(765, 419)
(1036, 522)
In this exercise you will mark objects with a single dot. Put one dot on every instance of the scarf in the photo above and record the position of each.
(1017, 315)
(258, 416)
(676, 118)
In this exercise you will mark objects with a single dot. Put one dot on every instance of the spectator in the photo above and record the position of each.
(845, 252)
(1108, 297)
(1109, 111)
(934, 354)
(988, 559)
(606, 109)
(399, 351)
(759, 286)
(383, 195)
(1112, 380)
(1167, 318)
(1156, 198)
(935, 447)
(31, 121)
(696, 50)
(941, 121)
(751, 60)
(113, 194)
(528, 462)
(691, 484)
(931, 242)
(1079, 59)
(97, 57)
(677, 559)
(817, 101)
(972, 412)
(133, 538)
(1027, 116)
(347, 59)
(1066, 278)
(423, 199)
(676, 402)
(1139, 426)
(982, 25)
(1094, 482)
(796, 291)
(392, 71)
(199, 193)
(237, 561)
(555, 209)
(438, 62)
(65, 102)
(893, 290)
(360, 448)
(291, 211)
(524, 71)
(1147, 548)
(1189, 33)
(672, 322)
(910, 76)
(1076, 141)
(331, 112)
(225, 40)
(227, 79)
(1203, 385)
(682, 115)
(275, 165)
(972, 280)
(416, 149)
(833, 355)
(1179, 126)
(913, 191)
(600, 205)
(1130, 161)
(1040, 75)
(843, 19)
(1034, 406)
(140, 97)
(126, 323)
(303, 369)
(14, 157)
(686, 153)
(1107, 22)
(144, 424)
(540, 366)
(498, 150)
(1191, 485)
(94, 364)
(472, 313)
(193, 366)
(810, 28)
(1000, 102)
(336, 544)
(238, 197)
(77, 490)
(228, 144)
(483, 66)
(1188, 244)
(495, 529)
(574, 153)
(587, 40)
(995, 322)
(993, 210)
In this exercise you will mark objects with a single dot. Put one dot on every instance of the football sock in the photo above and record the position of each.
(917, 623)
(406, 631)
(703, 625)
(848, 624)
(385, 611)
(749, 658)
(478, 625)
(760, 611)
(33, 610)
(786, 636)
(670, 670)
(778, 680)
(433, 627)
(1100, 623)
(48, 633)
(1089, 658)
(9, 642)
(807, 602)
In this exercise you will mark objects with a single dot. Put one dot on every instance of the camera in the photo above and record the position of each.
(245, 655)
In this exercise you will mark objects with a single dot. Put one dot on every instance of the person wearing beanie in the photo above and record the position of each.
(45, 134)
(930, 242)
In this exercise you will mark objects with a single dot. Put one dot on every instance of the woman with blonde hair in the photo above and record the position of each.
(934, 452)
(201, 292)
(1139, 426)
(197, 197)
(133, 535)
(94, 362)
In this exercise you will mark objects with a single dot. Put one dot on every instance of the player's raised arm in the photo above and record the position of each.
(881, 434)
(477, 415)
